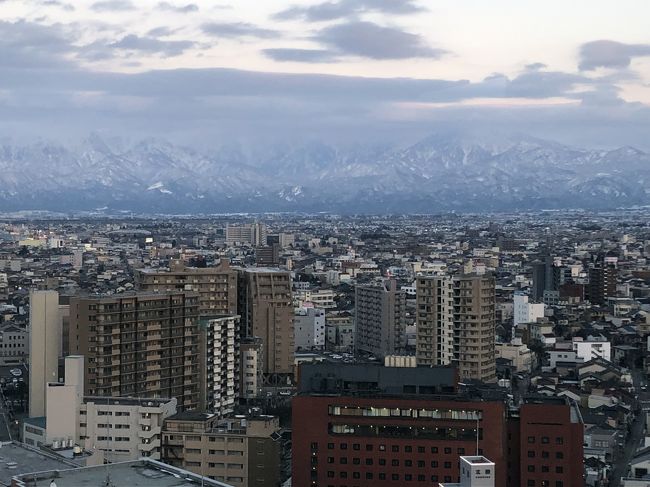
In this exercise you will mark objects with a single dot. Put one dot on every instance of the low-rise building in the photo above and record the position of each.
(241, 451)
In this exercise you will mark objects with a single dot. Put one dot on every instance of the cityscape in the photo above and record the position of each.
(324, 243)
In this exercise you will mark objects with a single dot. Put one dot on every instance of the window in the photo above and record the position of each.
(343, 446)
(461, 451)
(356, 461)
(408, 476)
(559, 440)
(394, 476)
(531, 454)
(382, 447)
(356, 446)
(531, 483)
(545, 469)
(330, 446)
(434, 464)
(559, 483)
(330, 459)
(531, 468)
(408, 449)
(434, 478)
(314, 446)
(330, 474)
(447, 465)
(559, 455)
(559, 469)
(421, 449)
(395, 463)
(368, 447)
(382, 476)
(408, 463)
(382, 461)
(545, 440)
(343, 475)
(369, 461)
(434, 449)
(531, 439)
(343, 460)
(421, 463)
(447, 450)
(394, 448)
(545, 454)
(356, 475)
(368, 475)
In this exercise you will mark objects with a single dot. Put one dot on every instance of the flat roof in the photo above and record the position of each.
(126, 401)
(138, 473)
(18, 459)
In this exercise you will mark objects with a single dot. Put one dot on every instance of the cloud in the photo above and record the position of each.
(610, 54)
(151, 45)
(347, 8)
(113, 6)
(182, 9)
(30, 45)
(300, 55)
(162, 31)
(535, 66)
(56, 3)
(237, 29)
(367, 39)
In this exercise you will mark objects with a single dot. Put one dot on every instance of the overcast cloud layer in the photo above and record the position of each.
(350, 70)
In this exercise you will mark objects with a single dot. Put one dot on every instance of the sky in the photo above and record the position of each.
(352, 71)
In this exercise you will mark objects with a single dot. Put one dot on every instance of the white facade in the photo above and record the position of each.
(517, 352)
(475, 471)
(309, 328)
(525, 311)
(14, 342)
(250, 383)
(222, 361)
(591, 349)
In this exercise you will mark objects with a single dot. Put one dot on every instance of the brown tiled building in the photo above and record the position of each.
(217, 286)
(266, 311)
(139, 345)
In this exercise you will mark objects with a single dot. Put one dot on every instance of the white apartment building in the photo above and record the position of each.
(524, 311)
(592, 348)
(250, 368)
(222, 364)
(309, 328)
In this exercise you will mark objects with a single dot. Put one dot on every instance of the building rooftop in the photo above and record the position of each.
(18, 459)
(127, 401)
(139, 473)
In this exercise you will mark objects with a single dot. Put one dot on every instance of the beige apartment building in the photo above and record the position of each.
(266, 310)
(139, 345)
(217, 286)
(456, 324)
(240, 451)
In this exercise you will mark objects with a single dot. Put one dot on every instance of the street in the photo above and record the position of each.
(633, 439)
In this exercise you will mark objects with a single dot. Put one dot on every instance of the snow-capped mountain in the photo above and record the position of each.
(441, 172)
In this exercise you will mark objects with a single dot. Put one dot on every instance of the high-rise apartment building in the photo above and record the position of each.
(220, 389)
(602, 281)
(217, 286)
(241, 451)
(456, 324)
(139, 345)
(380, 318)
(250, 368)
(266, 310)
(44, 347)
(253, 234)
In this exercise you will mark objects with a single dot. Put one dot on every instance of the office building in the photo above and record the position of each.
(139, 345)
(253, 234)
(268, 256)
(121, 428)
(266, 311)
(220, 388)
(456, 324)
(14, 343)
(371, 425)
(44, 347)
(217, 286)
(380, 316)
(309, 328)
(241, 451)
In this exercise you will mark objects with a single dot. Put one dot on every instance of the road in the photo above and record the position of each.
(633, 439)
(5, 431)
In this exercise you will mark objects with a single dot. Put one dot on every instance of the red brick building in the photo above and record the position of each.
(352, 427)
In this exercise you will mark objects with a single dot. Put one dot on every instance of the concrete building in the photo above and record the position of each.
(44, 347)
(121, 428)
(14, 344)
(456, 324)
(524, 311)
(339, 332)
(603, 276)
(217, 286)
(139, 473)
(267, 312)
(254, 234)
(380, 317)
(475, 471)
(250, 368)
(592, 348)
(517, 352)
(242, 451)
(139, 345)
(221, 364)
(309, 328)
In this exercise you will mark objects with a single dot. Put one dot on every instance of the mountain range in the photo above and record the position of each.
(442, 172)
